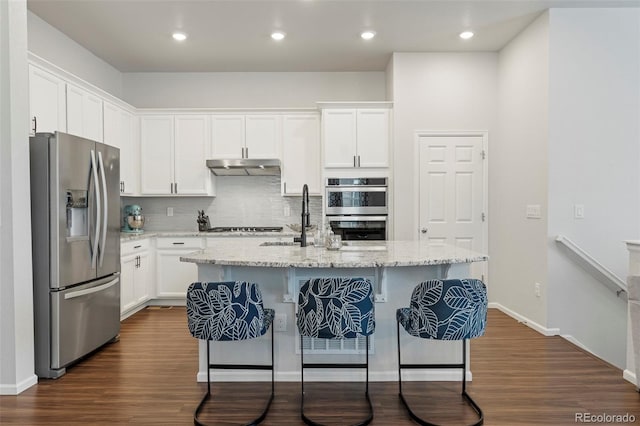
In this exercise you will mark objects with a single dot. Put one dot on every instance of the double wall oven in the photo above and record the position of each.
(357, 208)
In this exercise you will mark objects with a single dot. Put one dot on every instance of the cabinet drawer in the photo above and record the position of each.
(130, 247)
(180, 243)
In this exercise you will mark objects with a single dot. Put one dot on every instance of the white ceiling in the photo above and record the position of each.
(322, 35)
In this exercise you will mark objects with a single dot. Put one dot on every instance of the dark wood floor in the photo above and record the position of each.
(519, 378)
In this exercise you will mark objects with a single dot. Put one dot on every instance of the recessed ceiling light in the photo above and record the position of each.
(179, 36)
(368, 35)
(466, 35)
(277, 35)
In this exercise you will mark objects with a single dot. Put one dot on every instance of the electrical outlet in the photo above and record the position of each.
(536, 289)
(578, 211)
(280, 322)
(533, 211)
(169, 211)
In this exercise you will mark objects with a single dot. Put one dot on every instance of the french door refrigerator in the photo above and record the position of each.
(75, 214)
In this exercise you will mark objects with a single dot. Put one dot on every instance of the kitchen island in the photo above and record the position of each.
(394, 267)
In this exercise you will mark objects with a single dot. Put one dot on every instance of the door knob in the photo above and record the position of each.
(424, 230)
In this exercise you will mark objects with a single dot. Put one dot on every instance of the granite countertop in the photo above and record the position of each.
(356, 255)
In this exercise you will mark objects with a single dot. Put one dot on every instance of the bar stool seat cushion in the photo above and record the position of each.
(336, 308)
(460, 313)
(227, 311)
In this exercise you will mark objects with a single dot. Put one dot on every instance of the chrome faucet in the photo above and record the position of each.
(306, 219)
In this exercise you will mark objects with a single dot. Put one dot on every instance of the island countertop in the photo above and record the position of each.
(355, 255)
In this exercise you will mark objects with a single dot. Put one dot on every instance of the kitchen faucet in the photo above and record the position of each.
(306, 220)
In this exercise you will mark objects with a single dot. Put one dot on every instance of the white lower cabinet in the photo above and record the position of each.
(135, 276)
(174, 276)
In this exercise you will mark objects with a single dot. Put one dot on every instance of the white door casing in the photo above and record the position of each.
(452, 191)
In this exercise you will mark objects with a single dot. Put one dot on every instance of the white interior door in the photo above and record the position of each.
(452, 193)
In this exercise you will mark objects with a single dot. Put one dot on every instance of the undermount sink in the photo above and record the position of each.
(282, 243)
(363, 248)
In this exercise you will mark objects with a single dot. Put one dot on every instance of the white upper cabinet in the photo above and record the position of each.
(47, 101)
(156, 155)
(173, 155)
(228, 136)
(84, 114)
(372, 129)
(300, 153)
(356, 137)
(120, 131)
(192, 148)
(246, 136)
(339, 133)
(263, 136)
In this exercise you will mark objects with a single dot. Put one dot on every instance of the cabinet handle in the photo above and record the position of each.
(171, 186)
(35, 125)
(247, 151)
(354, 161)
(178, 244)
(285, 187)
(137, 247)
(358, 161)
(424, 230)
(175, 185)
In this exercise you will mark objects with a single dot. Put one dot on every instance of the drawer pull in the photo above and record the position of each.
(135, 247)
(178, 244)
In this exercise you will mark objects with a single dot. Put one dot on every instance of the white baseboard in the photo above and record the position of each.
(444, 375)
(15, 389)
(630, 376)
(526, 321)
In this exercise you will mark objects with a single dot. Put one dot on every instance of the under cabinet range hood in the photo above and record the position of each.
(245, 167)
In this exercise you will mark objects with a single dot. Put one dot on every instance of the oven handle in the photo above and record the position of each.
(352, 218)
(357, 189)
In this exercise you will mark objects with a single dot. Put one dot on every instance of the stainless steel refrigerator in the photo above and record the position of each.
(75, 214)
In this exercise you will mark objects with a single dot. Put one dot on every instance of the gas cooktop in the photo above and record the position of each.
(245, 229)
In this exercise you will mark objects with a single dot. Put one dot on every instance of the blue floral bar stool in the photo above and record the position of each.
(228, 311)
(444, 310)
(336, 308)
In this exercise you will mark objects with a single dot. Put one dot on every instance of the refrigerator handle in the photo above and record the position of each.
(94, 252)
(105, 209)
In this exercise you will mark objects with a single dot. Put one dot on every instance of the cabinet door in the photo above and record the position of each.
(373, 137)
(112, 127)
(129, 154)
(263, 136)
(174, 276)
(300, 153)
(119, 131)
(227, 136)
(192, 142)
(156, 154)
(47, 101)
(84, 114)
(127, 279)
(143, 278)
(339, 136)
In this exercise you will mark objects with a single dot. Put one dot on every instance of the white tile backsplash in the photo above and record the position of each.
(240, 201)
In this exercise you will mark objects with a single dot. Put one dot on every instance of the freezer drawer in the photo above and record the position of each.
(83, 318)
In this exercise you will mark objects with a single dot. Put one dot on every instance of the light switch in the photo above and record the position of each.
(578, 211)
(533, 211)
(169, 211)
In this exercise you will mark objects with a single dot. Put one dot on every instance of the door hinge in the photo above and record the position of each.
(484, 154)
(483, 216)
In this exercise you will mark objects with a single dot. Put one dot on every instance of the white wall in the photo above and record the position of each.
(54, 46)
(518, 175)
(250, 89)
(16, 294)
(436, 91)
(594, 146)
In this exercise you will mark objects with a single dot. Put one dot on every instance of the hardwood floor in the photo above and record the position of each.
(519, 378)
